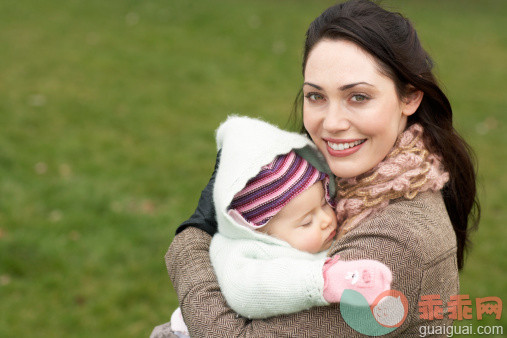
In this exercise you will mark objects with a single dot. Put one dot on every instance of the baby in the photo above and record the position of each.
(288, 200)
(273, 197)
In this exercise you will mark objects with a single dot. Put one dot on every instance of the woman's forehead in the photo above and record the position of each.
(341, 62)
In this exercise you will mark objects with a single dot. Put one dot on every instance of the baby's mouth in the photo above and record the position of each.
(331, 235)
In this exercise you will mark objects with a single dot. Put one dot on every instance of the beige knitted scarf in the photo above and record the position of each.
(407, 170)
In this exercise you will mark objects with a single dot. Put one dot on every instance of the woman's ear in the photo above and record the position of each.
(411, 101)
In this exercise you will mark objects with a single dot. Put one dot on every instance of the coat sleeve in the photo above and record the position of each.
(207, 314)
(260, 280)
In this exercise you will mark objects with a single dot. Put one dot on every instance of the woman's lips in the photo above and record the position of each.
(342, 148)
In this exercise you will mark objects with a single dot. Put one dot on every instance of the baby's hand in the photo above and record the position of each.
(367, 277)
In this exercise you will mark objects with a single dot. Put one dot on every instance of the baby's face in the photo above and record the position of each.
(308, 223)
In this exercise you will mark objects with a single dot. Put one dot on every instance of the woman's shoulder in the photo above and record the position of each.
(420, 227)
(425, 220)
(424, 217)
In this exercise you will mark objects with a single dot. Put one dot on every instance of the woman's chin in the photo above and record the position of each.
(353, 165)
(346, 169)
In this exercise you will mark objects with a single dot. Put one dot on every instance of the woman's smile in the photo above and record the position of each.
(341, 148)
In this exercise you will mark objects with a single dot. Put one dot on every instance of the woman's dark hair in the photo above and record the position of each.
(392, 41)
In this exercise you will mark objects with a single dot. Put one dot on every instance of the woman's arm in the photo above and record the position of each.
(386, 238)
(203, 307)
(206, 312)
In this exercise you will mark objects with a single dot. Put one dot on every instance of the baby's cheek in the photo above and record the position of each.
(313, 244)
(301, 245)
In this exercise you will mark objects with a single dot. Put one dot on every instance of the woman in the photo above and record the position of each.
(406, 178)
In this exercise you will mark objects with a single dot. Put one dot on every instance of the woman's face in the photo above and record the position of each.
(351, 110)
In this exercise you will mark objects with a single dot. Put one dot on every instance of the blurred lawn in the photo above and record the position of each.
(107, 117)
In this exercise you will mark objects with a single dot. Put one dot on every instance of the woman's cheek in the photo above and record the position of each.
(312, 124)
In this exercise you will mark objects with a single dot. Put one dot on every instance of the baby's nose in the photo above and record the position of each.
(326, 219)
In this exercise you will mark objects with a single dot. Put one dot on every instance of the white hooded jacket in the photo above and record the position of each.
(260, 276)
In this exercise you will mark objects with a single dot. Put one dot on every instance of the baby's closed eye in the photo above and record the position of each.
(306, 221)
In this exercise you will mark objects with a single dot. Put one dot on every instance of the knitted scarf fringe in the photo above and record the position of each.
(407, 170)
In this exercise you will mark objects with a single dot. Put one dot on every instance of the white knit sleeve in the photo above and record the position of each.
(260, 280)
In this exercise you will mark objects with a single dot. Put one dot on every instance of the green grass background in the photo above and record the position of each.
(107, 118)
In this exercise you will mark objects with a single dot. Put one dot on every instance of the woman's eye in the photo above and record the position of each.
(313, 97)
(359, 98)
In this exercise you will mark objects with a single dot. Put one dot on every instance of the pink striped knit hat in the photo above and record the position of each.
(274, 186)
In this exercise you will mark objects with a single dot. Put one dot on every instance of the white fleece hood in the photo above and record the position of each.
(247, 144)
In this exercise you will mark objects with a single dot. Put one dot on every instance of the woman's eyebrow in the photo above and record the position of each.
(342, 88)
(313, 85)
(351, 85)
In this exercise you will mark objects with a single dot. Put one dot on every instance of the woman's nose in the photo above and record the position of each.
(336, 118)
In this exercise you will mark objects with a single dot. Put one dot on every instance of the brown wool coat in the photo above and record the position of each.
(414, 238)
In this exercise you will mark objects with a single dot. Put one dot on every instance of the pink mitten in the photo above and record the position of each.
(367, 277)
